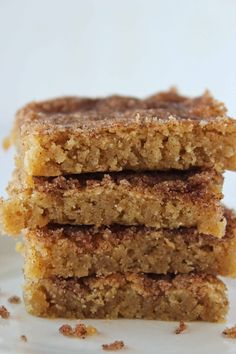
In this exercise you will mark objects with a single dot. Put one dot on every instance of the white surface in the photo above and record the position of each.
(91, 47)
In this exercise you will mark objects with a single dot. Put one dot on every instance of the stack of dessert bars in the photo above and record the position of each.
(119, 201)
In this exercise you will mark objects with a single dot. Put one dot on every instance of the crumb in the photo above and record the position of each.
(181, 328)
(19, 247)
(117, 345)
(66, 330)
(91, 330)
(80, 330)
(6, 143)
(14, 299)
(230, 332)
(4, 313)
(23, 338)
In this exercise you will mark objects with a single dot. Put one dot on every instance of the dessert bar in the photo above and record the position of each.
(78, 251)
(165, 131)
(181, 297)
(157, 199)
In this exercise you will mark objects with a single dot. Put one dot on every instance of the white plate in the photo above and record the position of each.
(139, 336)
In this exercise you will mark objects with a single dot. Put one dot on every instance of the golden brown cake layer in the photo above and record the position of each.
(165, 131)
(156, 199)
(181, 297)
(78, 251)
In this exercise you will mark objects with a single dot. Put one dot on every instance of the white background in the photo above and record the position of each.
(97, 47)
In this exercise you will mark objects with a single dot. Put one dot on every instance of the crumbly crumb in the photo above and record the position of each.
(23, 338)
(117, 345)
(80, 330)
(4, 313)
(181, 327)
(14, 299)
(6, 143)
(19, 247)
(91, 330)
(66, 330)
(230, 332)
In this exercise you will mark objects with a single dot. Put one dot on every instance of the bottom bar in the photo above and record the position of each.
(187, 297)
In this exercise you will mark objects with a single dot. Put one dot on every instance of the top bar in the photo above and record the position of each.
(165, 131)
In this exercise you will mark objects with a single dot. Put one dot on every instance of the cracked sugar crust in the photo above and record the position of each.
(157, 199)
(89, 113)
(69, 251)
(113, 109)
(77, 135)
(172, 297)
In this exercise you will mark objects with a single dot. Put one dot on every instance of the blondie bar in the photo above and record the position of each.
(156, 199)
(78, 251)
(165, 131)
(181, 297)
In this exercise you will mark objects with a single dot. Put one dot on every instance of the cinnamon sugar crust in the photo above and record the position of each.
(155, 199)
(113, 109)
(78, 251)
(181, 297)
(77, 135)
(172, 182)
